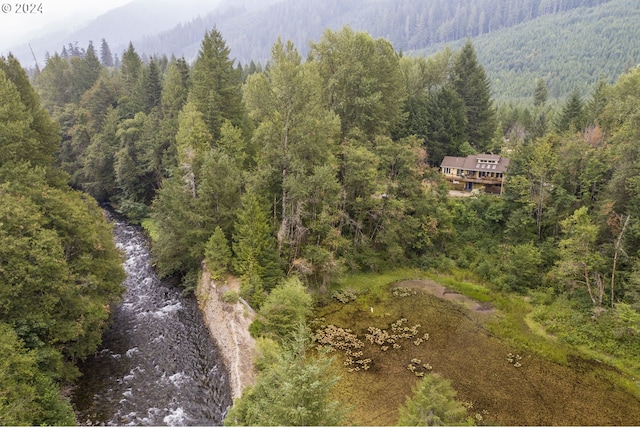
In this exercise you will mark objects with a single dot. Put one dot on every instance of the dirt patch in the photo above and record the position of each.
(445, 293)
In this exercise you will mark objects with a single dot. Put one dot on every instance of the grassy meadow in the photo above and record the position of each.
(504, 367)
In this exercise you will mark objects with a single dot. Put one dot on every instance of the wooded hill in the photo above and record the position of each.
(573, 49)
(568, 43)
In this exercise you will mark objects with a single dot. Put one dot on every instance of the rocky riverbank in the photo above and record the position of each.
(228, 324)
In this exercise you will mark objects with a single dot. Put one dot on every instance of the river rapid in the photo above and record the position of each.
(158, 364)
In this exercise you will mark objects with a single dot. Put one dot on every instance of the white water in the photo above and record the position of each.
(158, 364)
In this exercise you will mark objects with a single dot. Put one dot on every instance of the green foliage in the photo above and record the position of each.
(216, 86)
(268, 352)
(472, 86)
(28, 397)
(217, 254)
(433, 404)
(363, 81)
(60, 272)
(293, 390)
(287, 306)
(231, 297)
(254, 247)
(613, 334)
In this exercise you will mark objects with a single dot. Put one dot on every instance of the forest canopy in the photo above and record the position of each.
(293, 174)
(59, 269)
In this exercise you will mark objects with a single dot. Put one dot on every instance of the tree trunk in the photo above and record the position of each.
(618, 248)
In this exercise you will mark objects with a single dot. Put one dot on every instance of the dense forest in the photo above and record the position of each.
(569, 43)
(250, 30)
(574, 49)
(59, 269)
(294, 175)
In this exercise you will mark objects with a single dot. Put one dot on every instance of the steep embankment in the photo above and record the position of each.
(228, 324)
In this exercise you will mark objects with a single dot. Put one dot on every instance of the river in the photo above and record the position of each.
(158, 364)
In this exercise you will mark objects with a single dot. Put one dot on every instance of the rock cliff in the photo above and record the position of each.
(228, 324)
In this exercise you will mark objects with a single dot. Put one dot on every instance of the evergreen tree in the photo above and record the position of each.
(472, 85)
(98, 172)
(217, 254)
(151, 86)
(295, 390)
(105, 54)
(594, 108)
(131, 71)
(540, 94)
(216, 86)
(175, 87)
(90, 70)
(134, 180)
(433, 404)
(446, 125)
(254, 248)
(571, 118)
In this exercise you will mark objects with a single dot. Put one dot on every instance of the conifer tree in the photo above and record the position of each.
(433, 404)
(540, 94)
(216, 86)
(472, 85)
(571, 118)
(217, 254)
(295, 390)
(446, 125)
(175, 88)
(131, 70)
(151, 86)
(254, 247)
(105, 54)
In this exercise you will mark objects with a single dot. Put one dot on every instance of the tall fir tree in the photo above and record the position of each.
(571, 117)
(106, 57)
(540, 94)
(472, 85)
(151, 86)
(131, 71)
(255, 252)
(216, 86)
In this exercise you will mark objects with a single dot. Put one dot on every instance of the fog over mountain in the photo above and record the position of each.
(118, 26)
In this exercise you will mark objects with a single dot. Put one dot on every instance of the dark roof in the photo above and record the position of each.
(473, 162)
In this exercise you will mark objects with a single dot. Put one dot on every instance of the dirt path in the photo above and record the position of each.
(447, 294)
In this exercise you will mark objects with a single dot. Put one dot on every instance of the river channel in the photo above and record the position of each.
(158, 364)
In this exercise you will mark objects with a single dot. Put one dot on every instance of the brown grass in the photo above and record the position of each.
(539, 392)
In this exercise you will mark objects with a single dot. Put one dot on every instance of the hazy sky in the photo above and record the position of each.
(18, 28)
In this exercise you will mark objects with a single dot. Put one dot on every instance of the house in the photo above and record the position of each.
(476, 171)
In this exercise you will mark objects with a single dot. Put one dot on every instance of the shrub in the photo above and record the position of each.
(287, 306)
(230, 297)
(433, 403)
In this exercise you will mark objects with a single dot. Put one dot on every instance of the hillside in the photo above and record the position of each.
(565, 42)
(517, 42)
(571, 49)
